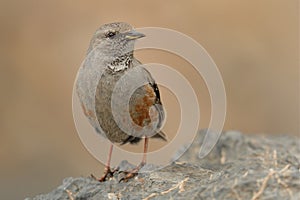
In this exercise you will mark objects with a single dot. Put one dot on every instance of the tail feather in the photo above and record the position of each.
(161, 135)
(134, 140)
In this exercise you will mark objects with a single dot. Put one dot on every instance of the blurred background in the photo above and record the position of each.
(42, 44)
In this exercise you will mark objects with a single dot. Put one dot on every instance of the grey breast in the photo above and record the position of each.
(103, 102)
(121, 84)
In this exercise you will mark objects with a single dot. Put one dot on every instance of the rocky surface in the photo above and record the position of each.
(239, 167)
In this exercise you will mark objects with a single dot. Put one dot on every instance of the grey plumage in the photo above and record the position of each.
(111, 69)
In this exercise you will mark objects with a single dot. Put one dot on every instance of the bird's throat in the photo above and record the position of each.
(121, 63)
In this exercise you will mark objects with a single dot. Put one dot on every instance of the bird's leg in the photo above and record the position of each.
(136, 170)
(107, 169)
(145, 152)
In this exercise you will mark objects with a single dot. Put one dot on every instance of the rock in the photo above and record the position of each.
(239, 167)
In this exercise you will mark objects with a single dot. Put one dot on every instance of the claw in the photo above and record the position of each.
(107, 173)
(133, 172)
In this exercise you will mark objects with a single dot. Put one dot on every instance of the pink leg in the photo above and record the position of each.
(107, 169)
(144, 160)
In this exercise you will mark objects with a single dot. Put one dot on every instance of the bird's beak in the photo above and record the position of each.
(133, 35)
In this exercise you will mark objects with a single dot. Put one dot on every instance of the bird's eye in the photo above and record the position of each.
(110, 34)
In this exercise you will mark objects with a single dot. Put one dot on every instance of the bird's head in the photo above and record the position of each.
(114, 39)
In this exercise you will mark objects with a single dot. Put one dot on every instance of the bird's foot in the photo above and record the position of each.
(106, 174)
(133, 172)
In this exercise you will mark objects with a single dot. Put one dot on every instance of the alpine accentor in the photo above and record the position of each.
(109, 61)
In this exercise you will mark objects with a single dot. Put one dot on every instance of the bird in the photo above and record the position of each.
(110, 62)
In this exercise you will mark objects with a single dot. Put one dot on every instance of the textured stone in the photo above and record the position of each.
(239, 167)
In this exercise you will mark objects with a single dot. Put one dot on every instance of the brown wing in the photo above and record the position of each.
(142, 101)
